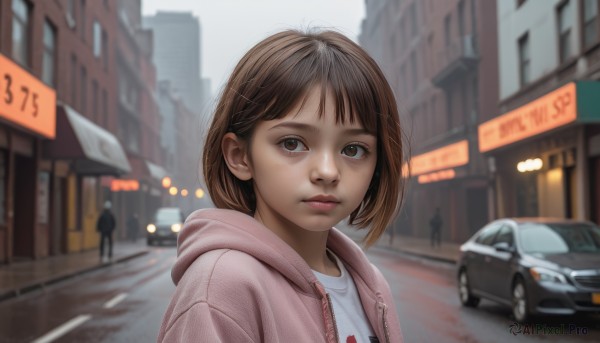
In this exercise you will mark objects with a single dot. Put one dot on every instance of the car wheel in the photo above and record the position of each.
(464, 291)
(520, 309)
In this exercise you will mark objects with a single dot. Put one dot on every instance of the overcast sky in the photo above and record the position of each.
(230, 27)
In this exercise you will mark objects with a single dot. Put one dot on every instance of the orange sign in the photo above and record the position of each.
(552, 110)
(25, 100)
(119, 185)
(437, 176)
(453, 155)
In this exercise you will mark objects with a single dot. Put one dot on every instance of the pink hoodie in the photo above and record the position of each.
(238, 282)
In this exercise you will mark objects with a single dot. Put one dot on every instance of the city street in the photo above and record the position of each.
(125, 303)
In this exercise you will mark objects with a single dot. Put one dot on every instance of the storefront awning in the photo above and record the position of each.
(92, 149)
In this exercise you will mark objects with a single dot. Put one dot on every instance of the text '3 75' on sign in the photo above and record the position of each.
(25, 100)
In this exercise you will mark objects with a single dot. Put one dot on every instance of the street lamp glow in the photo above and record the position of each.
(199, 193)
(184, 192)
(530, 165)
(166, 182)
(173, 190)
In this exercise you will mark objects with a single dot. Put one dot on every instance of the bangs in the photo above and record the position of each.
(313, 62)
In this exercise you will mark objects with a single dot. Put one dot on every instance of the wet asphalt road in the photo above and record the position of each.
(429, 309)
(125, 303)
(122, 303)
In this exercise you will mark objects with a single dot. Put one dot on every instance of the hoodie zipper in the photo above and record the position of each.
(385, 324)
(337, 338)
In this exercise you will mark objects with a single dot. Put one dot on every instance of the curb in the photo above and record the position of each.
(62, 277)
(443, 259)
(418, 254)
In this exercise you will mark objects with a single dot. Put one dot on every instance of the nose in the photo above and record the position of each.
(325, 169)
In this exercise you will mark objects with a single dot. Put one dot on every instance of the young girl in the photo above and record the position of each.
(306, 133)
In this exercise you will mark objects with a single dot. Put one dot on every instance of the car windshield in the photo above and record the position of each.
(559, 238)
(167, 216)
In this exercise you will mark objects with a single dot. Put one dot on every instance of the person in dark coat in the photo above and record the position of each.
(435, 223)
(105, 226)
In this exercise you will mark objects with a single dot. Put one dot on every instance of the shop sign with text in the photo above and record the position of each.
(573, 102)
(449, 156)
(25, 100)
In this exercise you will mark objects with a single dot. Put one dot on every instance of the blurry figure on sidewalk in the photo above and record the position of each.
(133, 227)
(105, 226)
(435, 223)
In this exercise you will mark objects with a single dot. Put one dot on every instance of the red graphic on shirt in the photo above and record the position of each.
(351, 339)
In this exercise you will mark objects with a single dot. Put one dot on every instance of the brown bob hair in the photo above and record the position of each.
(273, 77)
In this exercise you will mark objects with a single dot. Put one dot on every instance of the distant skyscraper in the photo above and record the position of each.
(177, 55)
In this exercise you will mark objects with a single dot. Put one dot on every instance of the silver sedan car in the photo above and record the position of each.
(533, 265)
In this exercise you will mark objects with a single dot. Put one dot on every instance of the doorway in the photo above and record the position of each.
(24, 218)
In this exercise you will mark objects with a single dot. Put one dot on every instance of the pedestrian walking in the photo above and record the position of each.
(105, 226)
(435, 224)
(133, 227)
(305, 134)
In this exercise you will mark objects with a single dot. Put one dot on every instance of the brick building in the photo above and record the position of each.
(63, 150)
(441, 59)
(549, 111)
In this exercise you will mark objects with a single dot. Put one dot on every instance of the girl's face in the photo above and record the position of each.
(308, 172)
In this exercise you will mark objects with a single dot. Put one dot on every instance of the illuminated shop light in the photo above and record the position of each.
(530, 165)
(173, 190)
(199, 193)
(166, 182)
(437, 176)
(184, 192)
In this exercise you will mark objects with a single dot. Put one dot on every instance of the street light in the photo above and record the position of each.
(166, 182)
(199, 193)
(173, 190)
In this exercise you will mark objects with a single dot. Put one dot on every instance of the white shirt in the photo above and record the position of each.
(352, 323)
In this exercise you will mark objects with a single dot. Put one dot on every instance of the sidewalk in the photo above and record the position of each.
(448, 252)
(22, 277)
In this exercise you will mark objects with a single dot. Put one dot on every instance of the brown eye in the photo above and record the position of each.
(351, 150)
(354, 151)
(292, 144)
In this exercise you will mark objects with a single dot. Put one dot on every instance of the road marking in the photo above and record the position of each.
(114, 301)
(63, 329)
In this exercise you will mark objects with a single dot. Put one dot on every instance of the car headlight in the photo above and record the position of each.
(540, 274)
(151, 228)
(176, 227)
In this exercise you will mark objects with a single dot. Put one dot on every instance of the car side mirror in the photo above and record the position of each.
(504, 247)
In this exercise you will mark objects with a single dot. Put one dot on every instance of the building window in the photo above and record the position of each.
(403, 81)
(413, 19)
(83, 90)
(524, 60)
(105, 108)
(97, 45)
(461, 18)
(447, 28)
(105, 50)
(82, 19)
(95, 100)
(48, 64)
(565, 24)
(413, 66)
(73, 79)
(590, 23)
(71, 13)
(20, 32)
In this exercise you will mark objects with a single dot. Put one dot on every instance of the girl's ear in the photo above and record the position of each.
(236, 156)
